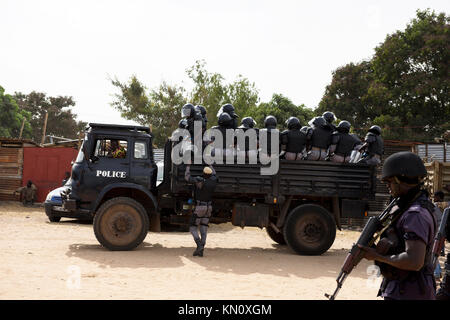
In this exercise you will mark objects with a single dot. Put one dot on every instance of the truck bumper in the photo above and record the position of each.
(57, 210)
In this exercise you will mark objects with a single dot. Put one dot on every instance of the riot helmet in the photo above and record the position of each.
(188, 110)
(228, 108)
(224, 120)
(318, 122)
(329, 116)
(248, 122)
(375, 129)
(344, 126)
(270, 122)
(305, 129)
(404, 165)
(202, 110)
(293, 123)
(183, 124)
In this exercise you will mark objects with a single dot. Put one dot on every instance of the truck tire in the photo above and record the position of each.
(309, 230)
(53, 218)
(121, 224)
(275, 236)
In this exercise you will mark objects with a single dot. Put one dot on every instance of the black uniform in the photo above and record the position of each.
(204, 187)
(320, 139)
(342, 145)
(294, 141)
(375, 146)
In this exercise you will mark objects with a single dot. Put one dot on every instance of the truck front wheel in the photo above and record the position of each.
(309, 230)
(121, 224)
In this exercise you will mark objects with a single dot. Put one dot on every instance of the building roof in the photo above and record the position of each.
(17, 143)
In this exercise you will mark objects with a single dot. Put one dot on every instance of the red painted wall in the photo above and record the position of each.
(46, 168)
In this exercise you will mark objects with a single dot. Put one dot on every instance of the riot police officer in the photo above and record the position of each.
(444, 291)
(373, 146)
(229, 108)
(204, 187)
(293, 140)
(188, 111)
(404, 251)
(319, 138)
(202, 111)
(330, 118)
(246, 152)
(225, 122)
(270, 129)
(342, 143)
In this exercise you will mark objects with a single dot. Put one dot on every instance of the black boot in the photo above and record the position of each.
(199, 249)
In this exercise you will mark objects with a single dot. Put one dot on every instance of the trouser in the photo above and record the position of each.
(317, 154)
(199, 221)
(339, 158)
(293, 156)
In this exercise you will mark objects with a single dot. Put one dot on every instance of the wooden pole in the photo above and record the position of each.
(21, 128)
(45, 128)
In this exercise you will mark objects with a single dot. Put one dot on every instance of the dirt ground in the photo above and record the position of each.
(43, 260)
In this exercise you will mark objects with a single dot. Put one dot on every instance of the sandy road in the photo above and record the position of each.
(43, 260)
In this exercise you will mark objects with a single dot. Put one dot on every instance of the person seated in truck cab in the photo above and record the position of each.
(115, 150)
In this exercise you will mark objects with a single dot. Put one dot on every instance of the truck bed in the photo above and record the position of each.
(307, 178)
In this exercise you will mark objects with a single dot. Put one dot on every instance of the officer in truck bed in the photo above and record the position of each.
(204, 187)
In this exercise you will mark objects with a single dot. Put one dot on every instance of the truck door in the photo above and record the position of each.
(141, 170)
(110, 164)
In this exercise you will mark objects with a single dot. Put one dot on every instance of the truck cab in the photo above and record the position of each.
(113, 160)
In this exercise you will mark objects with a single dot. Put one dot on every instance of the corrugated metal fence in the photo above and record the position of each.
(434, 152)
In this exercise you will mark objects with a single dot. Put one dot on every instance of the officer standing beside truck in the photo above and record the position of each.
(204, 187)
(404, 251)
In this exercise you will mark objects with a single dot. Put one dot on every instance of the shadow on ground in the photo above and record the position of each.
(278, 260)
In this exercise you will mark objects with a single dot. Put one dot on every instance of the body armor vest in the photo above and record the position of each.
(204, 190)
(320, 138)
(345, 144)
(375, 144)
(294, 140)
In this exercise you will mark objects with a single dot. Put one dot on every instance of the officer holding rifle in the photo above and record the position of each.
(404, 251)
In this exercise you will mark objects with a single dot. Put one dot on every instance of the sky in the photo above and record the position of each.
(74, 48)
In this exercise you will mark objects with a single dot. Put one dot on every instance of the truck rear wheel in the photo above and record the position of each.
(278, 237)
(121, 224)
(309, 230)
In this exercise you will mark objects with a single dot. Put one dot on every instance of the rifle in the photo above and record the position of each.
(439, 239)
(373, 229)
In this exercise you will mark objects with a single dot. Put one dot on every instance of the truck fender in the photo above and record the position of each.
(110, 187)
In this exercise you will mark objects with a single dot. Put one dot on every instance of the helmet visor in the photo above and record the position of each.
(185, 112)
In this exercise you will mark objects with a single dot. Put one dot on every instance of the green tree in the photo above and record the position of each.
(404, 88)
(281, 108)
(61, 122)
(347, 96)
(11, 117)
(211, 91)
(159, 108)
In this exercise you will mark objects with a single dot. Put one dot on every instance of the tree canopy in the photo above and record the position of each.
(160, 107)
(61, 121)
(12, 117)
(404, 88)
